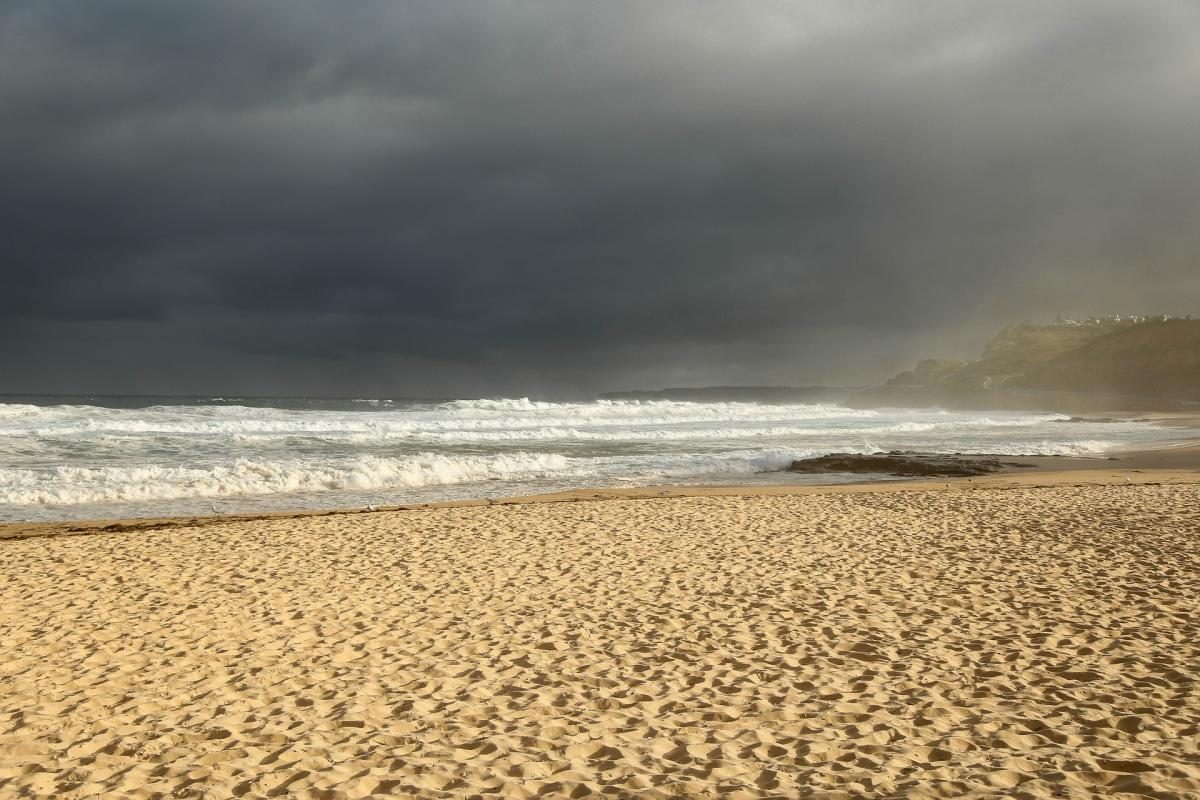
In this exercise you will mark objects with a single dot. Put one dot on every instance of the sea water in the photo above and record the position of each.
(77, 458)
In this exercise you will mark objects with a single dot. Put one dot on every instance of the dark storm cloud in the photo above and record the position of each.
(446, 198)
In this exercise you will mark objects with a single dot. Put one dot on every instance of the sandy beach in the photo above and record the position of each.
(1028, 635)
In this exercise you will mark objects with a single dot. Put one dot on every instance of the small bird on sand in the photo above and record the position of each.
(213, 506)
(370, 506)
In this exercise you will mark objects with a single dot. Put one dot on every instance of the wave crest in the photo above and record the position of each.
(67, 485)
(13, 410)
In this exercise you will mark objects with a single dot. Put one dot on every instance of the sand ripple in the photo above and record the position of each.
(1020, 643)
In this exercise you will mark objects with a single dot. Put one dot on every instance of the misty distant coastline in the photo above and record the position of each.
(1109, 363)
(1069, 366)
(739, 394)
(1101, 363)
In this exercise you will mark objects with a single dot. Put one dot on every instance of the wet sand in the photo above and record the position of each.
(1032, 635)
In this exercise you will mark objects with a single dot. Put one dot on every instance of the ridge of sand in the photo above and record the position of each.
(1009, 640)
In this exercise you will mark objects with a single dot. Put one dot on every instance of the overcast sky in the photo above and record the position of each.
(460, 198)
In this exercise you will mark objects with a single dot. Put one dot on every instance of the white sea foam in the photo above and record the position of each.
(68, 485)
(738, 464)
(645, 422)
(13, 410)
(677, 432)
(648, 409)
(474, 415)
(1075, 447)
(157, 460)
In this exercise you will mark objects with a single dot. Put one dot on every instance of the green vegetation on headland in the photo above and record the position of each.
(1106, 363)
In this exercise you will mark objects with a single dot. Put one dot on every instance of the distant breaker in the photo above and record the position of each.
(738, 394)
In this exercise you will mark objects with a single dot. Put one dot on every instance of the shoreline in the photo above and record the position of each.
(1177, 462)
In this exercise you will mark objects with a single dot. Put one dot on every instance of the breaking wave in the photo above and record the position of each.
(68, 485)
(13, 410)
(458, 416)
(87, 460)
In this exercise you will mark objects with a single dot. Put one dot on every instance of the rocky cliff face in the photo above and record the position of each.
(1099, 364)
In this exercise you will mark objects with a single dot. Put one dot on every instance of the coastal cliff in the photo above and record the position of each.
(1108, 363)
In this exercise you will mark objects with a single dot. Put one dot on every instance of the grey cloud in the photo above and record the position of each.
(453, 198)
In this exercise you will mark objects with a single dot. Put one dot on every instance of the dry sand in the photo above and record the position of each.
(993, 639)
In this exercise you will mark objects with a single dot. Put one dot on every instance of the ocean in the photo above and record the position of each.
(86, 458)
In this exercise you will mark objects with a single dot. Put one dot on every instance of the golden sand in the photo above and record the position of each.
(1022, 642)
